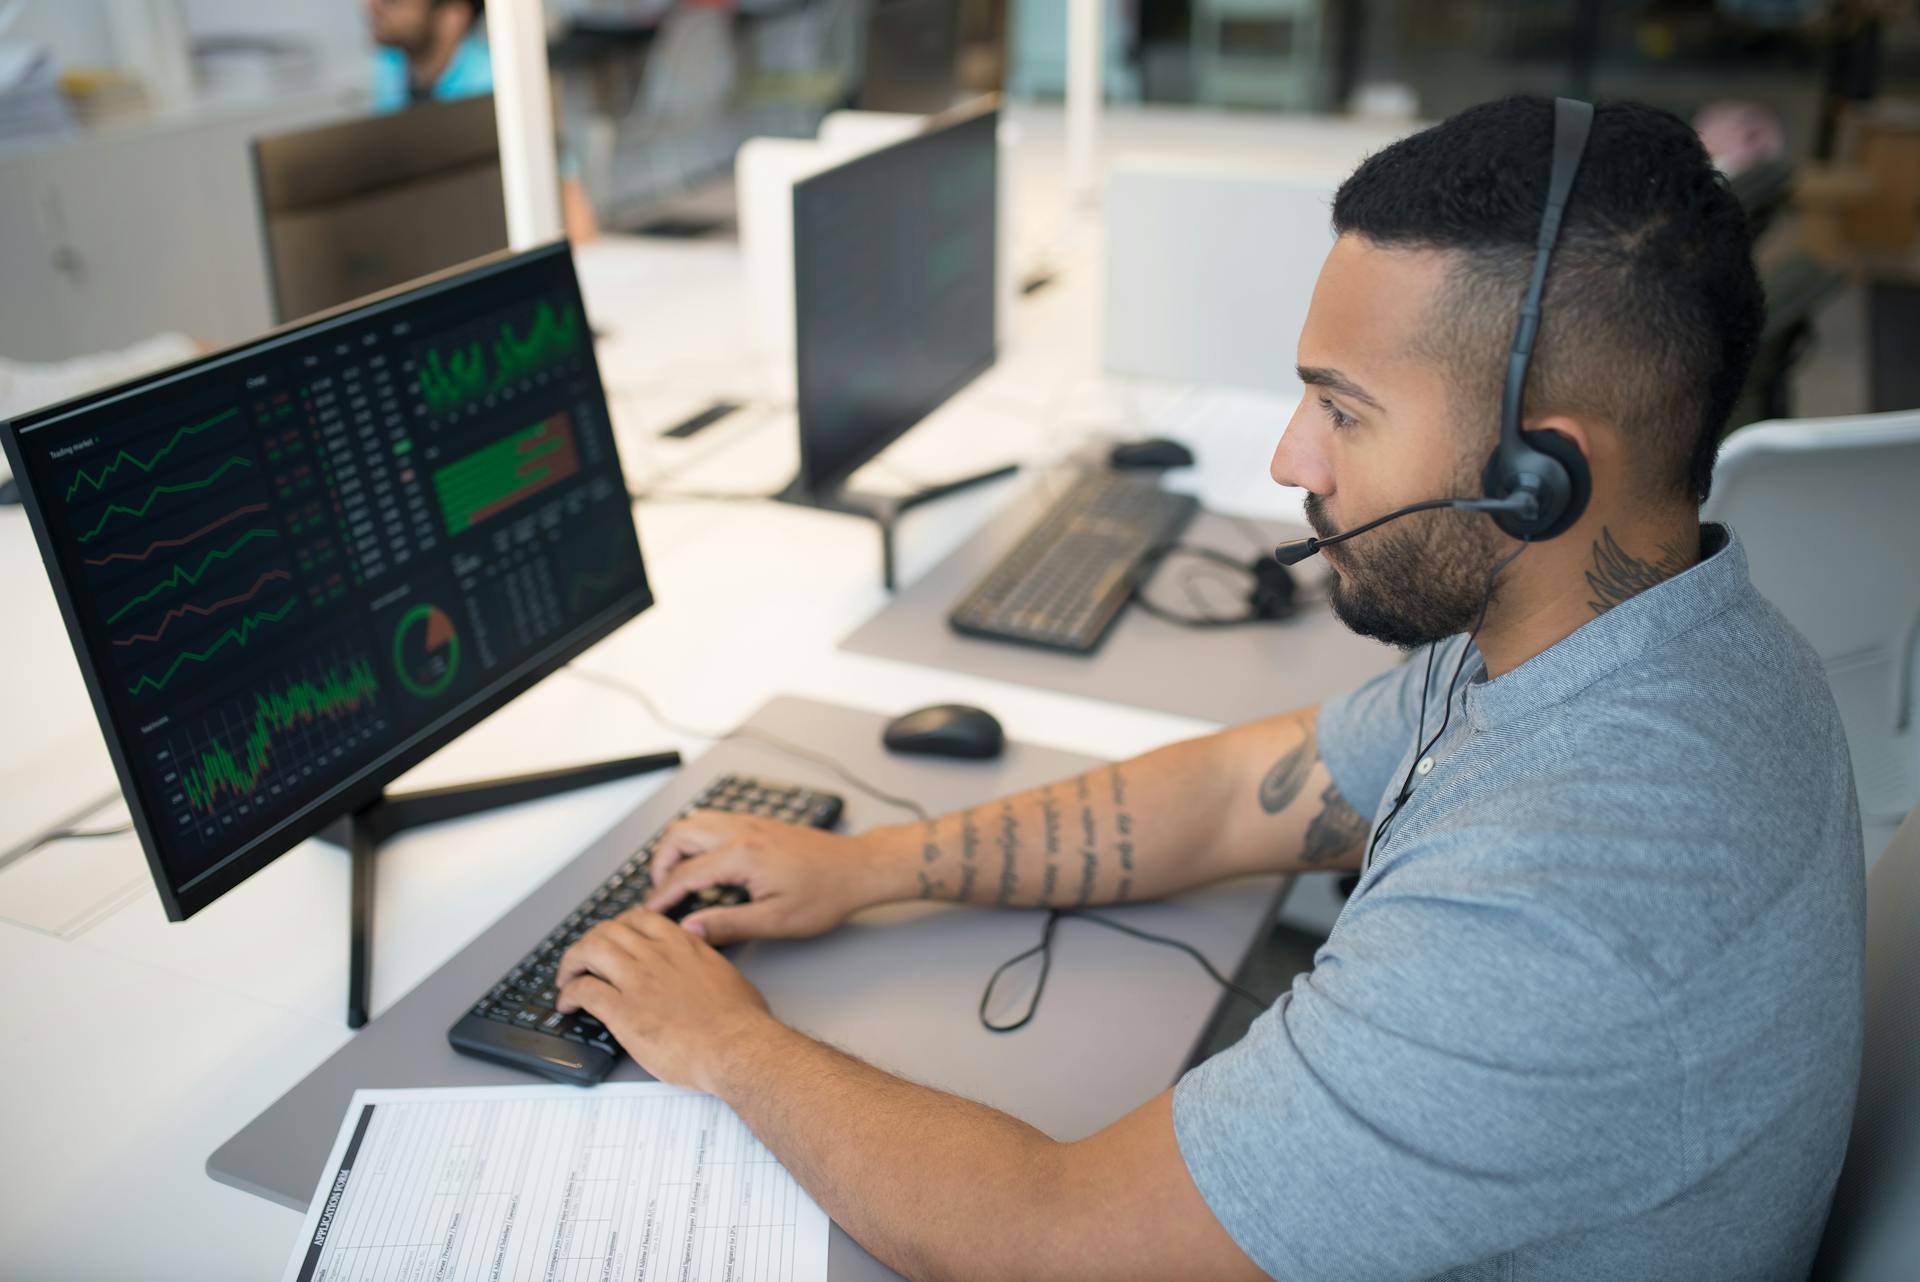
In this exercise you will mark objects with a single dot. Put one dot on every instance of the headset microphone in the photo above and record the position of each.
(1524, 505)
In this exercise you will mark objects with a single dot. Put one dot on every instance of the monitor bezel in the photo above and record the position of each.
(362, 790)
(811, 480)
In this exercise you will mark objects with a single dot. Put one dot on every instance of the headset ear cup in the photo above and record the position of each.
(1566, 484)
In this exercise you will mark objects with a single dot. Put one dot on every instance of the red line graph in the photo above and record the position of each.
(184, 539)
(204, 611)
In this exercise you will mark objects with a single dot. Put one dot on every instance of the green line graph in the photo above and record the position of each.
(238, 635)
(299, 704)
(158, 490)
(452, 379)
(147, 466)
(185, 578)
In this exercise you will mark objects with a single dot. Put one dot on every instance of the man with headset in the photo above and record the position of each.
(1593, 1011)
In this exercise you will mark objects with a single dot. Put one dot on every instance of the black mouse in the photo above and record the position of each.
(946, 730)
(1157, 452)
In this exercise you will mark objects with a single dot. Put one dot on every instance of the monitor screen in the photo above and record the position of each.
(293, 569)
(352, 208)
(894, 282)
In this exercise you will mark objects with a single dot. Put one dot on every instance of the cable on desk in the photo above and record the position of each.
(1045, 949)
(754, 412)
(697, 496)
(773, 741)
(74, 834)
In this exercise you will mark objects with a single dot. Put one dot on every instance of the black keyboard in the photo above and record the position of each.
(1071, 574)
(516, 1022)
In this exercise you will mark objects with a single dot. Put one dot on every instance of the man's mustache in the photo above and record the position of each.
(1316, 512)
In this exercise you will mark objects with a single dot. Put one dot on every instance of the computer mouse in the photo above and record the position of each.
(1157, 452)
(946, 730)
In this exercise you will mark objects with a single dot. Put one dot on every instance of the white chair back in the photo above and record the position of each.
(1829, 512)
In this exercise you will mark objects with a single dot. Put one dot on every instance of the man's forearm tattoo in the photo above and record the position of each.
(1123, 825)
(969, 856)
(1289, 774)
(1337, 829)
(1089, 843)
(1050, 824)
(1617, 574)
(1009, 852)
(931, 886)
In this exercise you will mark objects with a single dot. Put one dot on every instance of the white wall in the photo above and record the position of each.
(80, 33)
(75, 29)
(336, 28)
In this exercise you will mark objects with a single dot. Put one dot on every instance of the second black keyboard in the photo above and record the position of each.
(1071, 574)
(516, 1022)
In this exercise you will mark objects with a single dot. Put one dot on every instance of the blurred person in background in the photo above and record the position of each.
(430, 51)
(436, 51)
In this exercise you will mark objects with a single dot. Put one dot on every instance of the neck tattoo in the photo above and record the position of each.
(1617, 574)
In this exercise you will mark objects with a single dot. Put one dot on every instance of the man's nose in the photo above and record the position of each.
(1299, 459)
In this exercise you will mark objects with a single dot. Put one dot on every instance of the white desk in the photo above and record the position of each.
(136, 1047)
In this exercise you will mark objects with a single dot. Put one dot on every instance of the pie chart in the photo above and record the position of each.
(426, 651)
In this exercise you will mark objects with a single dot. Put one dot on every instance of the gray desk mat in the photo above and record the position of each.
(899, 985)
(1224, 675)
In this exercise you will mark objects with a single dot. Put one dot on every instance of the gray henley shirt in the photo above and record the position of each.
(1593, 1012)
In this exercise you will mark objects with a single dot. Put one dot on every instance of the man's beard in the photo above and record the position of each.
(1414, 581)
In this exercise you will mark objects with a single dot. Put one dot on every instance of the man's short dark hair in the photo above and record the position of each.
(1652, 308)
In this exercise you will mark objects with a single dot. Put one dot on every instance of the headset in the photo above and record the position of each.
(1537, 483)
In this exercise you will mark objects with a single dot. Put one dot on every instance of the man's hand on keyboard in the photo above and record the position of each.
(675, 1004)
(802, 881)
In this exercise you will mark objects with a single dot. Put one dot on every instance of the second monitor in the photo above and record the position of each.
(894, 262)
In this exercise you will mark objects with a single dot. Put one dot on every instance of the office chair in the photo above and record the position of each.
(1872, 1233)
(1829, 511)
(1765, 190)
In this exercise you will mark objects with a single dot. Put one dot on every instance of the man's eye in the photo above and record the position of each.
(1334, 415)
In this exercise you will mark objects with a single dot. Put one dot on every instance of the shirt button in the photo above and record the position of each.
(1425, 767)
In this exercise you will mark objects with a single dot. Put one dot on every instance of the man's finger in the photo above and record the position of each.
(651, 926)
(591, 994)
(601, 952)
(700, 832)
(722, 926)
(729, 865)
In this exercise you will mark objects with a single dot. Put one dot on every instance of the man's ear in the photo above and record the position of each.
(1587, 439)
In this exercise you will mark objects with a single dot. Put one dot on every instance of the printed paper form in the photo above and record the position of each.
(625, 1182)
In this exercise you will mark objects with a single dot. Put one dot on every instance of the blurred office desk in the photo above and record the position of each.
(135, 1047)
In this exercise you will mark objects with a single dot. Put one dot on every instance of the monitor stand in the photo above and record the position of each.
(884, 510)
(362, 832)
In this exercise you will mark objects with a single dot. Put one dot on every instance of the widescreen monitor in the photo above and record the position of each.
(293, 569)
(894, 289)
